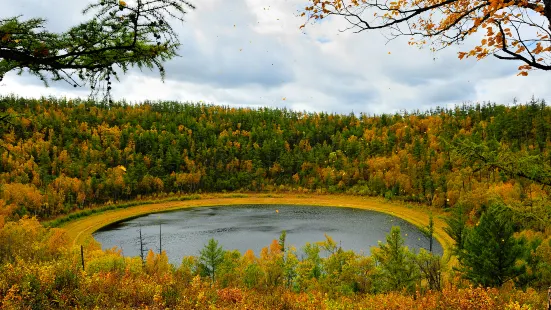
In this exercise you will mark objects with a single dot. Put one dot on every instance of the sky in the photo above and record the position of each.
(246, 53)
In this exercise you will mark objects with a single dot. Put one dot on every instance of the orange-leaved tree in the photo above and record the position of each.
(512, 29)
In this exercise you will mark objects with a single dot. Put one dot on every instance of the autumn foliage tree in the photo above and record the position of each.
(512, 30)
(67, 156)
(41, 270)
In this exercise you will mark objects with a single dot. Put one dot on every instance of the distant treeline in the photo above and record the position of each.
(60, 155)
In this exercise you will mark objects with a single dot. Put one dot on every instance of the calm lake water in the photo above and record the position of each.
(185, 232)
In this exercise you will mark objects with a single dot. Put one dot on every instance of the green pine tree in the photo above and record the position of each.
(490, 251)
(428, 231)
(397, 266)
(117, 34)
(212, 255)
(457, 227)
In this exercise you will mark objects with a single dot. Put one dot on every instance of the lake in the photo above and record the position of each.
(186, 231)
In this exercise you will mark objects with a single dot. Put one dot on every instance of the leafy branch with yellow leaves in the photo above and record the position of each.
(512, 29)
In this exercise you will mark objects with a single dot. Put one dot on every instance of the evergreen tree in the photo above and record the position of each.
(428, 231)
(118, 34)
(398, 269)
(457, 227)
(282, 238)
(212, 255)
(490, 251)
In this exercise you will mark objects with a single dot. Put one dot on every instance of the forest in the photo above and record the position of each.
(488, 166)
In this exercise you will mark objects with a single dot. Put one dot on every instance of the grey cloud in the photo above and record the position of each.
(322, 70)
(222, 50)
(230, 66)
(60, 15)
(419, 69)
(449, 91)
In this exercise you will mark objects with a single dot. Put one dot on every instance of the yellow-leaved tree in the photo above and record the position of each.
(512, 29)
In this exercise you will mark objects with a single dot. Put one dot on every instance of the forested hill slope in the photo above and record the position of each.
(60, 155)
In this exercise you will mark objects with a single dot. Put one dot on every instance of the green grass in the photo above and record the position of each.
(271, 196)
(236, 195)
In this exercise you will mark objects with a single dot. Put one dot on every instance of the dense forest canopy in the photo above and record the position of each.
(60, 155)
(487, 164)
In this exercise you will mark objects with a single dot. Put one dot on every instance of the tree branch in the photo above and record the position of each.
(515, 56)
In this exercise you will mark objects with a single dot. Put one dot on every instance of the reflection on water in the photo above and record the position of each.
(185, 232)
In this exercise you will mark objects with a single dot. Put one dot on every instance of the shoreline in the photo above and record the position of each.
(82, 228)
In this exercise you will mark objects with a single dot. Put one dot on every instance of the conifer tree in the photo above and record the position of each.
(398, 269)
(117, 35)
(457, 226)
(490, 252)
(428, 231)
(212, 255)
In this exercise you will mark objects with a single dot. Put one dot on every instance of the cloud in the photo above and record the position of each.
(71, 12)
(221, 47)
(249, 53)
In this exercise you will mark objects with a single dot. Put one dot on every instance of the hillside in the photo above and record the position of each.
(59, 156)
(482, 170)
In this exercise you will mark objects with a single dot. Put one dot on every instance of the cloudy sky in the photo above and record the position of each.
(249, 53)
